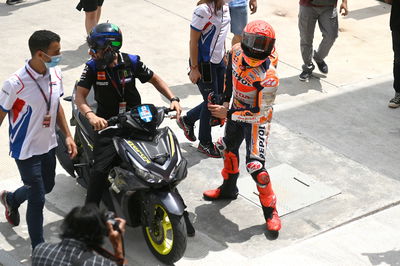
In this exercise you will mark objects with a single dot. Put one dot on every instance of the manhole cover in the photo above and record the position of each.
(294, 189)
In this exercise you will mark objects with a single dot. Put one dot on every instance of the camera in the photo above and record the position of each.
(214, 98)
(110, 217)
(205, 70)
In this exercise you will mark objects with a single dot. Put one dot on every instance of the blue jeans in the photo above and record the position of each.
(37, 174)
(201, 111)
(238, 19)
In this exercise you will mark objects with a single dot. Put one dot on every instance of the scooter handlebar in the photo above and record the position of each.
(113, 123)
(167, 112)
(116, 121)
(107, 128)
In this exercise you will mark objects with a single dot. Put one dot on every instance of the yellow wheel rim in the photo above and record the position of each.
(160, 233)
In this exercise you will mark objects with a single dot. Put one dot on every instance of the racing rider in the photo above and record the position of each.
(252, 80)
(112, 75)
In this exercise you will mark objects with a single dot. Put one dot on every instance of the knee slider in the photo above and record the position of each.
(263, 179)
(254, 167)
(220, 145)
(258, 172)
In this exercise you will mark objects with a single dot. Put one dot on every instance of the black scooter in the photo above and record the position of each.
(143, 186)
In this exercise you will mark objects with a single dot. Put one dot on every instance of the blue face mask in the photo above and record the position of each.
(54, 61)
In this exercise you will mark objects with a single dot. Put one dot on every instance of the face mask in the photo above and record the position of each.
(105, 60)
(53, 62)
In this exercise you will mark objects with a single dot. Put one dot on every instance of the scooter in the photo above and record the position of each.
(143, 186)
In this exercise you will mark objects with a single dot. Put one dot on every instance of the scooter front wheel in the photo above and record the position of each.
(166, 235)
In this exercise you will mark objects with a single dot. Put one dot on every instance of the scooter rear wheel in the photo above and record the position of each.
(166, 235)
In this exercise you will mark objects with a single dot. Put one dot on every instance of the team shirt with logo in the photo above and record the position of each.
(213, 27)
(106, 95)
(21, 98)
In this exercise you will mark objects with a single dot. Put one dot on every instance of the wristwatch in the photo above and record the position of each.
(175, 99)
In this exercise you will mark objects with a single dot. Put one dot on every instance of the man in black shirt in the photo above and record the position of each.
(112, 75)
(395, 27)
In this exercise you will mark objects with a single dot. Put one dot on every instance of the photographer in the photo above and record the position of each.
(82, 236)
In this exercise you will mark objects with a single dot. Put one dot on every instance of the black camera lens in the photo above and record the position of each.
(110, 217)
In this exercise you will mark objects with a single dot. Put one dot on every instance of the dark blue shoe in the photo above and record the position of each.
(187, 128)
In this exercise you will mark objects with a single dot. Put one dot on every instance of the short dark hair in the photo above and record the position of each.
(85, 223)
(41, 40)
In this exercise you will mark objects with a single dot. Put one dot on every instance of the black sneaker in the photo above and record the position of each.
(209, 149)
(395, 101)
(13, 2)
(12, 215)
(187, 128)
(307, 71)
(322, 66)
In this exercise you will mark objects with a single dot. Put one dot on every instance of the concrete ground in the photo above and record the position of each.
(335, 129)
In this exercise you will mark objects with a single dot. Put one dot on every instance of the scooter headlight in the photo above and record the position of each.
(148, 177)
(180, 171)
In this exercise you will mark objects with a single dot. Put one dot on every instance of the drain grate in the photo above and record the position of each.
(294, 189)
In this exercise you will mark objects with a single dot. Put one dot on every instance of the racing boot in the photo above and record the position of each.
(268, 202)
(228, 189)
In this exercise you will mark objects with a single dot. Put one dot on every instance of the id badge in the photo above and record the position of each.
(46, 121)
(122, 107)
(334, 13)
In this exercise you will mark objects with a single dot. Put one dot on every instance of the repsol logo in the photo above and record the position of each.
(239, 94)
(262, 135)
(240, 79)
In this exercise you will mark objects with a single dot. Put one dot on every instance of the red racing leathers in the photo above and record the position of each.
(253, 92)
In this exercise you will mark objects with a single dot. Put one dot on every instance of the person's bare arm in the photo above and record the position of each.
(343, 8)
(253, 6)
(163, 88)
(62, 124)
(2, 115)
(194, 74)
(116, 239)
(80, 100)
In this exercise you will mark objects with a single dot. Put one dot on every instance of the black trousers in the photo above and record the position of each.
(396, 63)
(105, 157)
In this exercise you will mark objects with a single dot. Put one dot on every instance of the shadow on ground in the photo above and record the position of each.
(22, 246)
(7, 10)
(367, 131)
(390, 257)
(74, 58)
(368, 12)
(293, 86)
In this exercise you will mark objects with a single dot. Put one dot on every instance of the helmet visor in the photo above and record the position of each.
(102, 41)
(258, 44)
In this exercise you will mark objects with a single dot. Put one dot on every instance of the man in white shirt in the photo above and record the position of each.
(30, 97)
